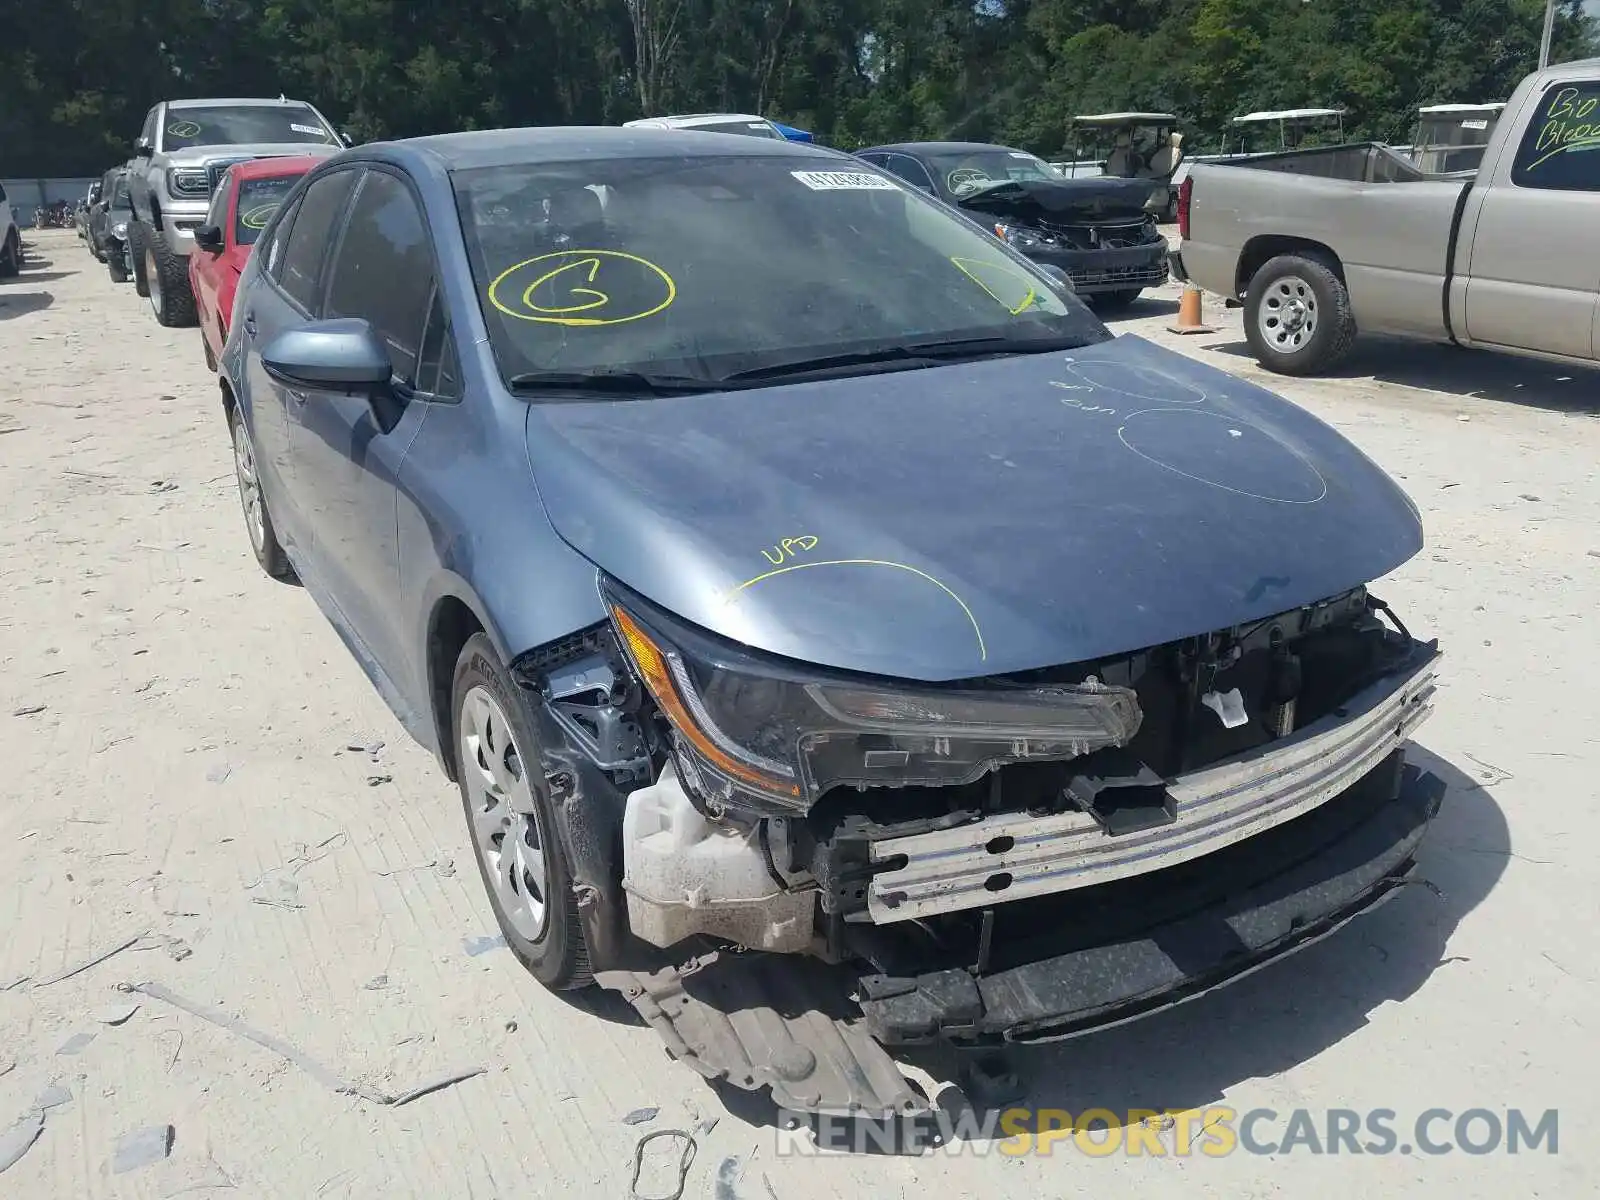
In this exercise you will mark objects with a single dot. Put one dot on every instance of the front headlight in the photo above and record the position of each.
(188, 181)
(1022, 237)
(771, 737)
(120, 229)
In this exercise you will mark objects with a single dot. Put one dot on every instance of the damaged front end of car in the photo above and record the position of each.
(1096, 230)
(1015, 858)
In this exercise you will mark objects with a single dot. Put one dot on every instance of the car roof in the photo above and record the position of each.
(941, 148)
(239, 102)
(575, 143)
(272, 168)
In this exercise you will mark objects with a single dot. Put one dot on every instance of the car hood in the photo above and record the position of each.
(1063, 200)
(972, 519)
(200, 156)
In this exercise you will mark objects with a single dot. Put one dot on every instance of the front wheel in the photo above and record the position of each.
(257, 518)
(11, 255)
(512, 822)
(1297, 315)
(1115, 302)
(166, 275)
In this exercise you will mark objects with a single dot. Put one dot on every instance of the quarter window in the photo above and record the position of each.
(437, 372)
(383, 271)
(310, 237)
(1560, 149)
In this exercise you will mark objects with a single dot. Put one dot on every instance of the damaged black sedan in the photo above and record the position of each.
(1099, 231)
(840, 640)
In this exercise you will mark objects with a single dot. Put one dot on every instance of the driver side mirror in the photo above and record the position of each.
(209, 238)
(342, 355)
(347, 137)
(142, 148)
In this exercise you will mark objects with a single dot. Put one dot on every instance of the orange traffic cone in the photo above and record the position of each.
(1189, 313)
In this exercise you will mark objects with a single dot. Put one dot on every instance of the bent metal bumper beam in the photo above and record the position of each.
(1016, 856)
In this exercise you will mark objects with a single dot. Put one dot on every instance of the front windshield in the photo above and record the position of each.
(119, 195)
(244, 125)
(965, 172)
(258, 200)
(705, 266)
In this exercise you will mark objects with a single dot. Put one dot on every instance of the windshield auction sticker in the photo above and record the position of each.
(311, 129)
(583, 288)
(184, 129)
(845, 181)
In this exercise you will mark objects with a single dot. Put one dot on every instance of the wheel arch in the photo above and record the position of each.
(1259, 251)
(455, 615)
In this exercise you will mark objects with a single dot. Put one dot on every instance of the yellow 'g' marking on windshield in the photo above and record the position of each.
(970, 267)
(183, 129)
(258, 216)
(562, 307)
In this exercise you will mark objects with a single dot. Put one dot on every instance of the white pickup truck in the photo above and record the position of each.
(1324, 243)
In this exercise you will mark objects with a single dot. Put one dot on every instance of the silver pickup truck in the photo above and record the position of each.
(181, 153)
(1508, 259)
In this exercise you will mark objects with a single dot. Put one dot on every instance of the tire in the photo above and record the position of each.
(490, 724)
(1297, 315)
(11, 255)
(253, 501)
(116, 264)
(166, 277)
(138, 234)
(1115, 302)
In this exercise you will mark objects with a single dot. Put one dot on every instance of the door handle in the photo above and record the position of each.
(250, 323)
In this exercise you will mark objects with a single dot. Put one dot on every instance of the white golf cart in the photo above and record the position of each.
(1291, 128)
(1129, 145)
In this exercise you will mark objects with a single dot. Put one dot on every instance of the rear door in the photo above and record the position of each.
(289, 295)
(1533, 275)
(345, 463)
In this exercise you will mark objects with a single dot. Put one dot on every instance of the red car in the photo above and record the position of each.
(246, 197)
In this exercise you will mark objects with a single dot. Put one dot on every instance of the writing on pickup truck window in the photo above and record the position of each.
(1567, 126)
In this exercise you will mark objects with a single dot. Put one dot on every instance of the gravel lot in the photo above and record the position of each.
(177, 731)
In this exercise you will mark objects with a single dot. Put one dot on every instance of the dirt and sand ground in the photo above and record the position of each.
(176, 735)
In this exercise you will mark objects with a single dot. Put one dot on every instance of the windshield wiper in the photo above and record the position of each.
(614, 383)
(908, 356)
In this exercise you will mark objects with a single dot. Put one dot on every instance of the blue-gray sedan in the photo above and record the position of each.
(782, 565)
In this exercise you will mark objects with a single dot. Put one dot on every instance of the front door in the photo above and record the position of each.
(293, 260)
(1533, 277)
(345, 462)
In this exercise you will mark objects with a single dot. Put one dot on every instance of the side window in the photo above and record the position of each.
(273, 250)
(217, 214)
(437, 370)
(383, 270)
(310, 238)
(911, 171)
(148, 133)
(1560, 149)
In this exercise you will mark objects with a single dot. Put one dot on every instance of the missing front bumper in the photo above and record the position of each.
(1348, 856)
(1018, 856)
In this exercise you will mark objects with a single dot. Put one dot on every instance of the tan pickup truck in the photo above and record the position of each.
(1320, 244)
